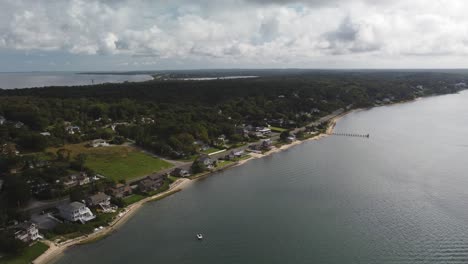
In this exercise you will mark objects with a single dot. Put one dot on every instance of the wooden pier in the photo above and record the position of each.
(351, 135)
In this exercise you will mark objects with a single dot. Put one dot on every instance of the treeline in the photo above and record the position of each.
(168, 116)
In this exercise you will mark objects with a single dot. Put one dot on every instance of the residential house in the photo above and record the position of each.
(72, 129)
(266, 144)
(98, 199)
(114, 125)
(222, 138)
(41, 163)
(27, 232)
(147, 120)
(234, 155)
(178, 172)
(151, 183)
(238, 153)
(83, 178)
(38, 186)
(276, 122)
(263, 130)
(291, 139)
(99, 143)
(120, 190)
(76, 211)
(76, 179)
(255, 134)
(45, 134)
(9, 149)
(69, 181)
(206, 160)
(19, 124)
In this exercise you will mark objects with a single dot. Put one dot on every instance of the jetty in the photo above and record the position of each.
(350, 135)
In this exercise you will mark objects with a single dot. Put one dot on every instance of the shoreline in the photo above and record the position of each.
(55, 250)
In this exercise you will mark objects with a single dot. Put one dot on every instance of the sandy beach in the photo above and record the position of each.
(56, 249)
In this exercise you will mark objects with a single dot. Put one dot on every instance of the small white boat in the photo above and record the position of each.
(199, 236)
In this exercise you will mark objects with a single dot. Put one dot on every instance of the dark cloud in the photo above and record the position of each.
(346, 32)
(269, 30)
(345, 39)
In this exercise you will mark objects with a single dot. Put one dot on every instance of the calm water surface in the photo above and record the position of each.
(41, 79)
(399, 197)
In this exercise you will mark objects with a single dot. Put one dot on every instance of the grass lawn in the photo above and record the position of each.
(223, 163)
(277, 129)
(118, 162)
(210, 150)
(28, 255)
(133, 199)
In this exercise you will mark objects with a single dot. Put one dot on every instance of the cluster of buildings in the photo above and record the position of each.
(81, 211)
(78, 179)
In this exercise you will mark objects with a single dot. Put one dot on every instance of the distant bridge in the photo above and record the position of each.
(351, 135)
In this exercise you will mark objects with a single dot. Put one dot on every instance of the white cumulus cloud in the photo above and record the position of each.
(242, 32)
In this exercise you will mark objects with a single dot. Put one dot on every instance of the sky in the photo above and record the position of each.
(128, 35)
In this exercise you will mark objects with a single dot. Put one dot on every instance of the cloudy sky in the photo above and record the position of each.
(186, 34)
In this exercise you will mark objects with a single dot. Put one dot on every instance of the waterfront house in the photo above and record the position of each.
(76, 212)
(120, 190)
(178, 172)
(151, 183)
(238, 153)
(206, 161)
(266, 144)
(290, 139)
(98, 199)
(27, 232)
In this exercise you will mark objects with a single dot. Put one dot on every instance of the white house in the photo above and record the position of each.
(99, 143)
(27, 232)
(76, 211)
(72, 129)
(264, 130)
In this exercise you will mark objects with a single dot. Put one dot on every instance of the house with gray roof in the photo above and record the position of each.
(76, 211)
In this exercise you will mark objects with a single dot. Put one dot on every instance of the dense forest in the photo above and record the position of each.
(165, 116)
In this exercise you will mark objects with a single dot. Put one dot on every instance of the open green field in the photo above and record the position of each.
(118, 162)
(28, 255)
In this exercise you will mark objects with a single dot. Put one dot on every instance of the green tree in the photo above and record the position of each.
(284, 135)
(198, 167)
(18, 192)
(9, 244)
